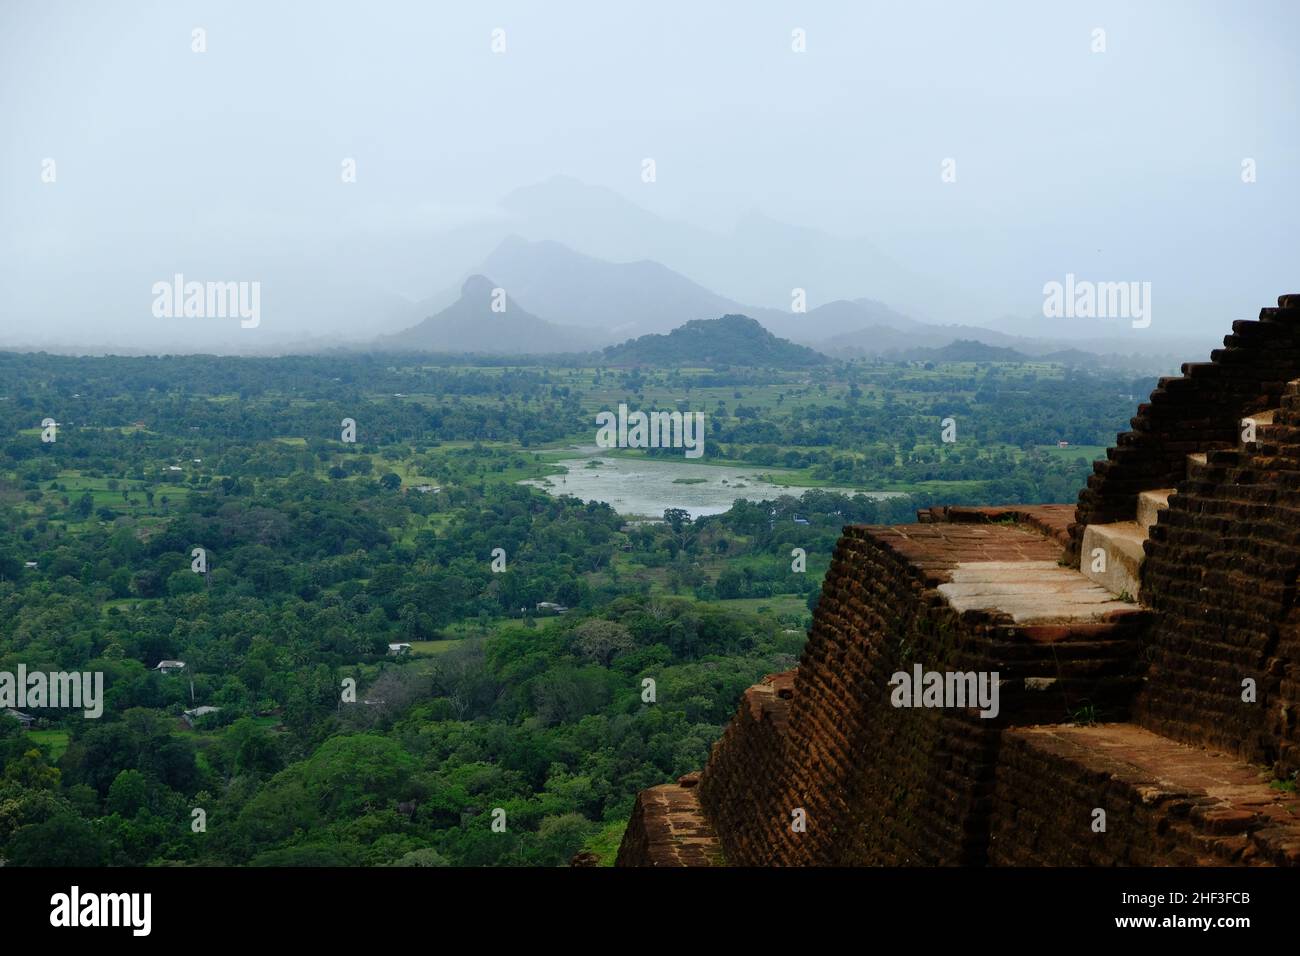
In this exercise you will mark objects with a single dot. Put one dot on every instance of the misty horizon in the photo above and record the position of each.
(945, 164)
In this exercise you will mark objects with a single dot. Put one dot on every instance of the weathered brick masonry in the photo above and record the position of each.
(1194, 412)
(1220, 574)
(1134, 709)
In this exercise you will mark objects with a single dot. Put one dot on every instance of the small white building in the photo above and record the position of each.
(399, 649)
(551, 606)
(170, 667)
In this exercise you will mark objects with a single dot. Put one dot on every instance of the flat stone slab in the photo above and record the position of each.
(940, 547)
(1029, 591)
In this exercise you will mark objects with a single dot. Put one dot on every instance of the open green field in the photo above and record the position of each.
(56, 740)
(1088, 452)
(434, 648)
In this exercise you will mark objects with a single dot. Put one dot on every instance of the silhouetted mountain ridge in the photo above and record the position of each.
(729, 340)
(471, 324)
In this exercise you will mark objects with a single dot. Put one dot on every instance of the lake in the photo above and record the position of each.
(636, 487)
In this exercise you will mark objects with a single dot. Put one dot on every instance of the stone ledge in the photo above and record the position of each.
(1050, 520)
(1165, 803)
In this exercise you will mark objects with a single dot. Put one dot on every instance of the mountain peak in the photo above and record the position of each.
(477, 287)
(477, 323)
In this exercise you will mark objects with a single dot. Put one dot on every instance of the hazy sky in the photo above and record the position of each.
(1122, 165)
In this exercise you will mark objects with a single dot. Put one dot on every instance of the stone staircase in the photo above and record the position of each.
(1112, 553)
(1166, 802)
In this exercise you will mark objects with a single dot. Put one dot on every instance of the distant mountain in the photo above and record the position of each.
(617, 299)
(730, 340)
(470, 325)
(587, 302)
(599, 221)
(1071, 356)
(841, 317)
(759, 260)
(613, 301)
(966, 350)
(887, 339)
(622, 299)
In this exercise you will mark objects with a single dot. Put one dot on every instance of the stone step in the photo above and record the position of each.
(1165, 803)
(1030, 592)
(1112, 556)
(1150, 504)
(1263, 422)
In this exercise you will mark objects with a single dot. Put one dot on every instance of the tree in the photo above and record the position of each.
(600, 641)
(357, 773)
(62, 840)
(128, 794)
(676, 518)
(565, 694)
(32, 772)
(731, 584)
(679, 520)
(559, 838)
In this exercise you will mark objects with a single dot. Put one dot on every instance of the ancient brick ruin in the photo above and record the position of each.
(1147, 644)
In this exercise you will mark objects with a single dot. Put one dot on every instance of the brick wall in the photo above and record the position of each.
(1117, 795)
(885, 785)
(1220, 576)
(742, 784)
(1194, 412)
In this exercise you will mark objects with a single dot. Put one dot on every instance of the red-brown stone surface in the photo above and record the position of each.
(668, 829)
(1164, 803)
(1133, 710)
(1220, 573)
